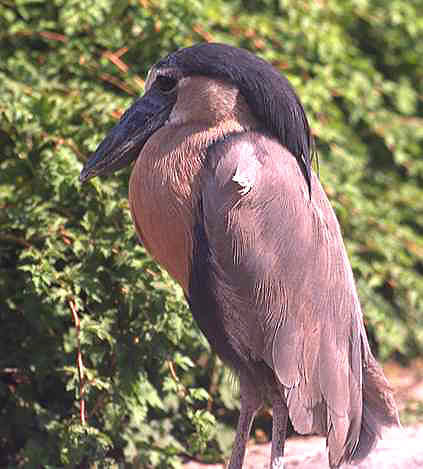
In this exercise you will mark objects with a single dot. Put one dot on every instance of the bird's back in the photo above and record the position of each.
(275, 277)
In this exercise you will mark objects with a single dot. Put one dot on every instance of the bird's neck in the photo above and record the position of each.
(164, 187)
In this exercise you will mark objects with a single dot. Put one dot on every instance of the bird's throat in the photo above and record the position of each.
(163, 190)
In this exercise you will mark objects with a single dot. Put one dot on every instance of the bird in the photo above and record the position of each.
(224, 197)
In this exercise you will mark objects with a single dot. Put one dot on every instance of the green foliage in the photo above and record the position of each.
(149, 386)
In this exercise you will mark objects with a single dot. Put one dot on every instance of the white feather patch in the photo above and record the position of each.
(248, 166)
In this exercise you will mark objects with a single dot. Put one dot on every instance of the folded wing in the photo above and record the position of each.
(279, 286)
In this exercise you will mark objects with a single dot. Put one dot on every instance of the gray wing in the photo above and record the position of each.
(293, 303)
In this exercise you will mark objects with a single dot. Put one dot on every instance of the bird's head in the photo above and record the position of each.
(268, 94)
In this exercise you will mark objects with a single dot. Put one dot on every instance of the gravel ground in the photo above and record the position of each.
(399, 449)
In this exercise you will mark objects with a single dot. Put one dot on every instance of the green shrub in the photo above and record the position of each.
(69, 254)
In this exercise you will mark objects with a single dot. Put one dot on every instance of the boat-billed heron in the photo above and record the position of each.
(223, 196)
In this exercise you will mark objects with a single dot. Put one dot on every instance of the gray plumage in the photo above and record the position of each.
(223, 196)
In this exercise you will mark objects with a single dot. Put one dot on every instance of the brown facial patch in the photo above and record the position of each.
(211, 102)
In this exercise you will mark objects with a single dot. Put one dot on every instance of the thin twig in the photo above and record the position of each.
(67, 142)
(183, 390)
(52, 36)
(49, 35)
(116, 82)
(114, 57)
(203, 33)
(172, 371)
(79, 363)
(15, 239)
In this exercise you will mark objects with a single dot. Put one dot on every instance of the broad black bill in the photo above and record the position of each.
(127, 138)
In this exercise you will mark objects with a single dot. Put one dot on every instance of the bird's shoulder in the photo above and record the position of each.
(246, 160)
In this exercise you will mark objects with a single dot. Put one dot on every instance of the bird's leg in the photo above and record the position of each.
(280, 420)
(245, 421)
(251, 401)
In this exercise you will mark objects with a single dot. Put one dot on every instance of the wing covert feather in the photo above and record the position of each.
(281, 253)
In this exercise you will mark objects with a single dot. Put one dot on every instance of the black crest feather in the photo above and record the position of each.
(268, 93)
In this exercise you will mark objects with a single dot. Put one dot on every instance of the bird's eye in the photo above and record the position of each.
(165, 83)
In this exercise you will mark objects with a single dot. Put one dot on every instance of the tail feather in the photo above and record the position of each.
(379, 409)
